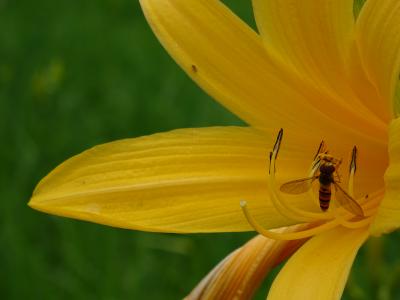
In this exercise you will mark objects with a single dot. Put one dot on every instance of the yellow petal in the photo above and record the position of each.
(228, 60)
(365, 89)
(313, 36)
(189, 180)
(316, 38)
(378, 36)
(240, 274)
(388, 218)
(320, 268)
(397, 99)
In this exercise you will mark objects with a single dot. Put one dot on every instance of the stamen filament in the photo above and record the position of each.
(322, 221)
(282, 208)
(276, 201)
(306, 233)
(355, 224)
(286, 236)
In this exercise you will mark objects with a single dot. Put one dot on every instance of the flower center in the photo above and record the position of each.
(349, 214)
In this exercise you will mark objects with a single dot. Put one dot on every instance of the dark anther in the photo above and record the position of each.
(275, 150)
(278, 141)
(270, 158)
(353, 163)
(320, 149)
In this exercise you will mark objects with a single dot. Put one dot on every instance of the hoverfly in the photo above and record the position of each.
(325, 168)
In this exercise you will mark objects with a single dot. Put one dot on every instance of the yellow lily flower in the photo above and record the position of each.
(313, 70)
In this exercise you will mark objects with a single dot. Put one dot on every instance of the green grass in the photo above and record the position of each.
(76, 74)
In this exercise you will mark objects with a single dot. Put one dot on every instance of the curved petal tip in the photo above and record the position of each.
(388, 217)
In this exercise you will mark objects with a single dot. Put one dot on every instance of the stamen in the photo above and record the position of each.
(352, 169)
(286, 236)
(286, 210)
(275, 199)
(322, 221)
(320, 150)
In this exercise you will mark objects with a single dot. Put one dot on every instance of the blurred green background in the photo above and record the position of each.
(74, 74)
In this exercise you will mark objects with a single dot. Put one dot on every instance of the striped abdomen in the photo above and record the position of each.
(324, 196)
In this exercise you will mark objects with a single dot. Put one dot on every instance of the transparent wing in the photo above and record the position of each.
(297, 186)
(345, 200)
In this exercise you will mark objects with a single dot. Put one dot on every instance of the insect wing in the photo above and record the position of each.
(345, 200)
(297, 186)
